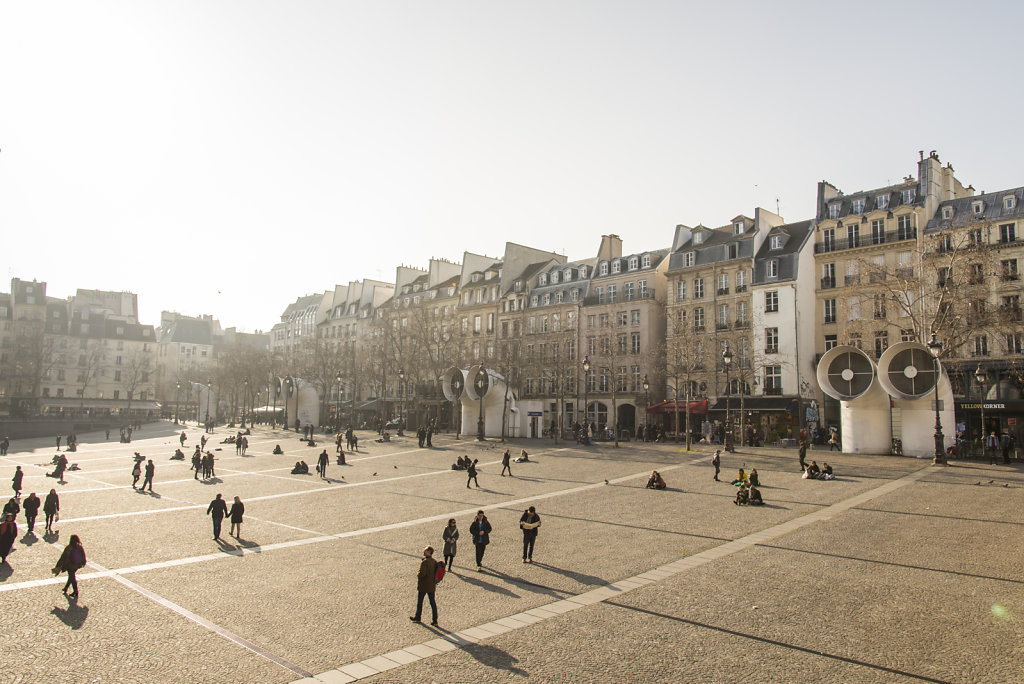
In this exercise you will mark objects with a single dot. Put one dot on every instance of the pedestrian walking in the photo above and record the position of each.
(716, 461)
(217, 509)
(51, 509)
(506, 463)
(31, 506)
(71, 561)
(245, 444)
(197, 462)
(426, 585)
(4, 446)
(61, 466)
(451, 538)
(430, 435)
(136, 473)
(529, 523)
(237, 510)
(16, 482)
(833, 440)
(12, 507)
(321, 464)
(150, 471)
(8, 533)
(182, 438)
(238, 444)
(471, 473)
(58, 442)
(481, 531)
(803, 455)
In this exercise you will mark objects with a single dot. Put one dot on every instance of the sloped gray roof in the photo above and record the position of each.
(994, 212)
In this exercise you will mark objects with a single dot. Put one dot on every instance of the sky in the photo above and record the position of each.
(226, 157)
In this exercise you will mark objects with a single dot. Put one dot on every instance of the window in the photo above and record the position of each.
(600, 295)
(627, 292)
(616, 266)
(681, 290)
(554, 278)
(1009, 269)
(117, 361)
(881, 342)
(604, 320)
(771, 340)
(623, 318)
(828, 276)
(117, 376)
(879, 307)
(591, 321)
(723, 283)
(974, 237)
(945, 244)
(645, 261)
(833, 210)
(831, 341)
(904, 230)
(877, 232)
(828, 240)
(741, 314)
(773, 380)
(688, 259)
(567, 275)
(741, 281)
(776, 242)
(574, 295)
(773, 268)
(853, 309)
(60, 390)
(1007, 233)
(947, 213)
(771, 301)
(546, 298)
(634, 317)
(698, 288)
(978, 208)
(476, 324)
(634, 343)
(732, 250)
(909, 195)
(621, 344)
(556, 323)
(1009, 202)
(737, 228)
(882, 201)
(981, 345)
(698, 319)
(698, 238)
(858, 206)
(612, 290)
(583, 271)
(633, 263)
(643, 289)
(907, 335)
(855, 340)
(853, 236)
(830, 311)
(1013, 343)
(603, 268)
(723, 316)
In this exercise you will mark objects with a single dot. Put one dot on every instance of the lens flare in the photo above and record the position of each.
(999, 611)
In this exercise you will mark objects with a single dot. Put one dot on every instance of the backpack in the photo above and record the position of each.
(439, 573)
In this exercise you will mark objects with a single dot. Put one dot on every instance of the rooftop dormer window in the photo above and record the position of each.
(645, 261)
(567, 275)
(833, 210)
(476, 278)
(583, 272)
(554, 277)
(603, 268)
(634, 263)
(947, 213)
(688, 259)
(542, 279)
(1009, 202)
(978, 208)
(858, 206)
(909, 195)
(416, 287)
(775, 242)
(737, 228)
(698, 238)
(882, 201)
(616, 266)
(518, 286)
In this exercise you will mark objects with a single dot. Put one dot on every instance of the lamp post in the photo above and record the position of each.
(586, 393)
(209, 395)
(647, 405)
(177, 393)
(939, 458)
(401, 416)
(727, 362)
(337, 404)
(982, 379)
(480, 382)
(245, 395)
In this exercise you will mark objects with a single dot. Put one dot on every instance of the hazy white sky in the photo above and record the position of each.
(227, 157)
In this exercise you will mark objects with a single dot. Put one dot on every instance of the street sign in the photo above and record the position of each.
(534, 413)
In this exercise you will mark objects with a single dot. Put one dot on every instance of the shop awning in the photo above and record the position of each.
(756, 404)
(670, 407)
(73, 403)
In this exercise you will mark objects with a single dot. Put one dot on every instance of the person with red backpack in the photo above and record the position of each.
(426, 585)
(71, 561)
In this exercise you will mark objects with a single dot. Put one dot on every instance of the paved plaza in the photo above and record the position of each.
(896, 571)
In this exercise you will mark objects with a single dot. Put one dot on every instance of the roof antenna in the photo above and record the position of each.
(777, 212)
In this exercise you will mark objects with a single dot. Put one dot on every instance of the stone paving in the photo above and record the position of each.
(896, 571)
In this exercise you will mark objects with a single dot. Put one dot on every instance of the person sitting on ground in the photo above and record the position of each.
(523, 457)
(461, 463)
(139, 458)
(311, 442)
(278, 450)
(754, 481)
(742, 496)
(741, 479)
(813, 471)
(826, 472)
(755, 496)
(179, 455)
(656, 481)
(300, 468)
(230, 439)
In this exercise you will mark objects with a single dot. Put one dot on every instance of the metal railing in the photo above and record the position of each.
(839, 244)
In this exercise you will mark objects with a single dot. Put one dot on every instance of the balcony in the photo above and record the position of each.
(834, 245)
(1012, 313)
(698, 328)
(771, 350)
(830, 319)
(723, 291)
(591, 300)
(1010, 277)
(828, 283)
(773, 391)
(741, 325)
(852, 280)
(722, 326)
(878, 276)
(741, 288)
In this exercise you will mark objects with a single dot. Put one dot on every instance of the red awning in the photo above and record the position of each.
(670, 407)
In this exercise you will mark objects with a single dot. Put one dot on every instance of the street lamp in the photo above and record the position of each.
(177, 393)
(401, 416)
(939, 458)
(586, 392)
(481, 386)
(245, 395)
(982, 379)
(647, 405)
(337, 404)
(727, 362)
(209, 395)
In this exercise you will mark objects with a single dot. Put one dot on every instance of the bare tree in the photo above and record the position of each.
(90, 360)
(685, 355)
(135, 374)
(35, 355)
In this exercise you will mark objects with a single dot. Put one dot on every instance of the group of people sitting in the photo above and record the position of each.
(300, 468)
(813, 472)
(742, 478)
(656, 481)
(748, 495)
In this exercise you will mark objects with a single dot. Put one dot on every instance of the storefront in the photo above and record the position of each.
(999, 417)
(761, 420)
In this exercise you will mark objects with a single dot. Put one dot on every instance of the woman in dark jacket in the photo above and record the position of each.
(8, 533)
(237, 509)
(51, 506)
(450, 537)
(71, 561)
(481, 530)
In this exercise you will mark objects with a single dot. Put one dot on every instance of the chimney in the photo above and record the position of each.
(611, 247)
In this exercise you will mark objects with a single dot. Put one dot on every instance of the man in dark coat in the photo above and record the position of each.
(31, 505)
(217, 509)
(471, 473)
(426, 584)
(481, 531)
(322, 464)
(150, 471)
(430, 435)
(529, 523)
(506, 463)
(16, 481)
(716, 461)
(421, 436)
